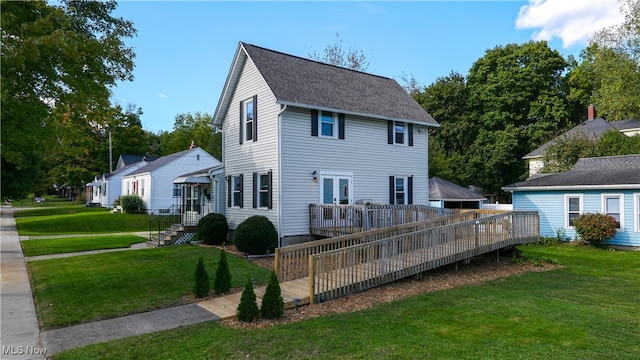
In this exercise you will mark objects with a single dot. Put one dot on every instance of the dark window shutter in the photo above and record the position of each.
(255, 190)
(241, 122)
(229, 192)
(410, 190)
(410, 134)
(392, 190)
(241, 191)
(314, 122)
(269, 197)
(255, 118)
(340, 126)
(389, 132)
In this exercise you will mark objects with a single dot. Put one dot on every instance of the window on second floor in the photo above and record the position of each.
(399, 133)
(249, 119)
(327, 124)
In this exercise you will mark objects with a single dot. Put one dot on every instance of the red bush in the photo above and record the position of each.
(595, 228)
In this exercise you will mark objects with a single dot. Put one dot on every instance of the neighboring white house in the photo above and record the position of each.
(298, 132)
(592, 128)
(199, 193)
(154, 181)
(106, 188)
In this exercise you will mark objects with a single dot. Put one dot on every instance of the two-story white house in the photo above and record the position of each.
(298, 132)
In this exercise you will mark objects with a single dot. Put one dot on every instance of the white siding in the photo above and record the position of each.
(364, 152)
(249, 157)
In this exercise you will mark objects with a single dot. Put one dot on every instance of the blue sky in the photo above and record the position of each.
(184, 49)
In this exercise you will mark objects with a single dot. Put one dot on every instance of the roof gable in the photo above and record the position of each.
(162, 161)
(589, 172)
(310, 84)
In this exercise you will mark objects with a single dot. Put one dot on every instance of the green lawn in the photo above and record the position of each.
(586, 310)
(65, 209)
(81, 243)
(85, 288)
(94, 221)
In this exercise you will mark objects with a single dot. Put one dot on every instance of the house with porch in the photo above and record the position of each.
(154, 182)
(298, 132)
(607, 185)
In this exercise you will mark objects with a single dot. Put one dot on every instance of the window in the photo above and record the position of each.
(612, 205)
(236, 185)
(176, 190)
(249, 120)
(262, 190)
(573, 208)
(142, 188)
(128, 187)
(401, 190)
(636, 211)
(327, 124)
(399, 133)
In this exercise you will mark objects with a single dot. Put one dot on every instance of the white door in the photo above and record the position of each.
(336, 189)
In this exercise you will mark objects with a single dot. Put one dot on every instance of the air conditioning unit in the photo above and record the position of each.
(364, 201)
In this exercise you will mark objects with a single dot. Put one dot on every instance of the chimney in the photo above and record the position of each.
(591, 112)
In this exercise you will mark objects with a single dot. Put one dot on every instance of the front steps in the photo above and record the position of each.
(175, 235)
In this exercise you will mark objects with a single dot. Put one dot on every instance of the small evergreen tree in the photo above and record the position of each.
(248, 309)
(222, 281)
(272, 302)
(201, 287)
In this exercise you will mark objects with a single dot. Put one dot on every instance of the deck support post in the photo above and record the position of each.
(498, 255)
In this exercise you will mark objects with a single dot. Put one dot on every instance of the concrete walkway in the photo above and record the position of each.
(20, 335)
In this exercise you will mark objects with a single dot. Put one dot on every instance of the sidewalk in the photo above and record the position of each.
(20, 335)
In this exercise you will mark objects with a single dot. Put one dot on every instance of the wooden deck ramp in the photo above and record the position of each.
(327, 269)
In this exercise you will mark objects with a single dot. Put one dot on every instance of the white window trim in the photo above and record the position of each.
(405, 139)
(566, 208)
(245, 119)
(334, 116)
(621, 210)
(260, 205)
(233, 190)
(636, 212)
(405, 186)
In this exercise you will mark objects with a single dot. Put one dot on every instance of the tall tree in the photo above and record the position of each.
(194, 128)
(334, 54)
(58, 63)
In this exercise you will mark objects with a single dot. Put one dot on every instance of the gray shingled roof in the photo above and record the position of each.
(626, 124)
(587, 128)
(155, 164)
(440, 189)
(310, 84)
(587, 172)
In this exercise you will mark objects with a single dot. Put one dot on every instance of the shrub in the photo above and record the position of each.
(248, 308)
(222, 281)
(131, 203)
(272, 302)
(595, 228)
(256, 235)
(213, 229)
(201, 287)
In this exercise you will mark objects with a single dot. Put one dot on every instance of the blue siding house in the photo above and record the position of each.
(607, 185)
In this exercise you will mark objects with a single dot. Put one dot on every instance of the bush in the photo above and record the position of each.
(595, 228)
(201, 288)
(222, 281)
(213, 229)
(117, 202)
(131, 203)
(248, 308)
(272, 302)
(256, 235)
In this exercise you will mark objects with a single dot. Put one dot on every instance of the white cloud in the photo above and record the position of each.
(571, 21)
(161, 95)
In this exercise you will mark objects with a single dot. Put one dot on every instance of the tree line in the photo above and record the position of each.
(59, 63)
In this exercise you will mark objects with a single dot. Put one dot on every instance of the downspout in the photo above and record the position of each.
(280, 174)
(426, 134)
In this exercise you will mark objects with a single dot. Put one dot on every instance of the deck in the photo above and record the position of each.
(327, 269)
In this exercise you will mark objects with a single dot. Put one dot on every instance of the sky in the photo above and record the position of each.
(184, 49)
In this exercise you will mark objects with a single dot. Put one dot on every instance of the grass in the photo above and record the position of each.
(94, 221)
(74, 244)
(85, 288)
(65, 209)
(586, 310)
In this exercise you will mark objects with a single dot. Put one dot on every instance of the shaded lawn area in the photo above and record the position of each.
(91, 287)
(92, 222)
(587, 310)
(81, 243)
(64, 209)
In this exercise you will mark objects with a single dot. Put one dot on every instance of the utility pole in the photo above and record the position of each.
(110, 154)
